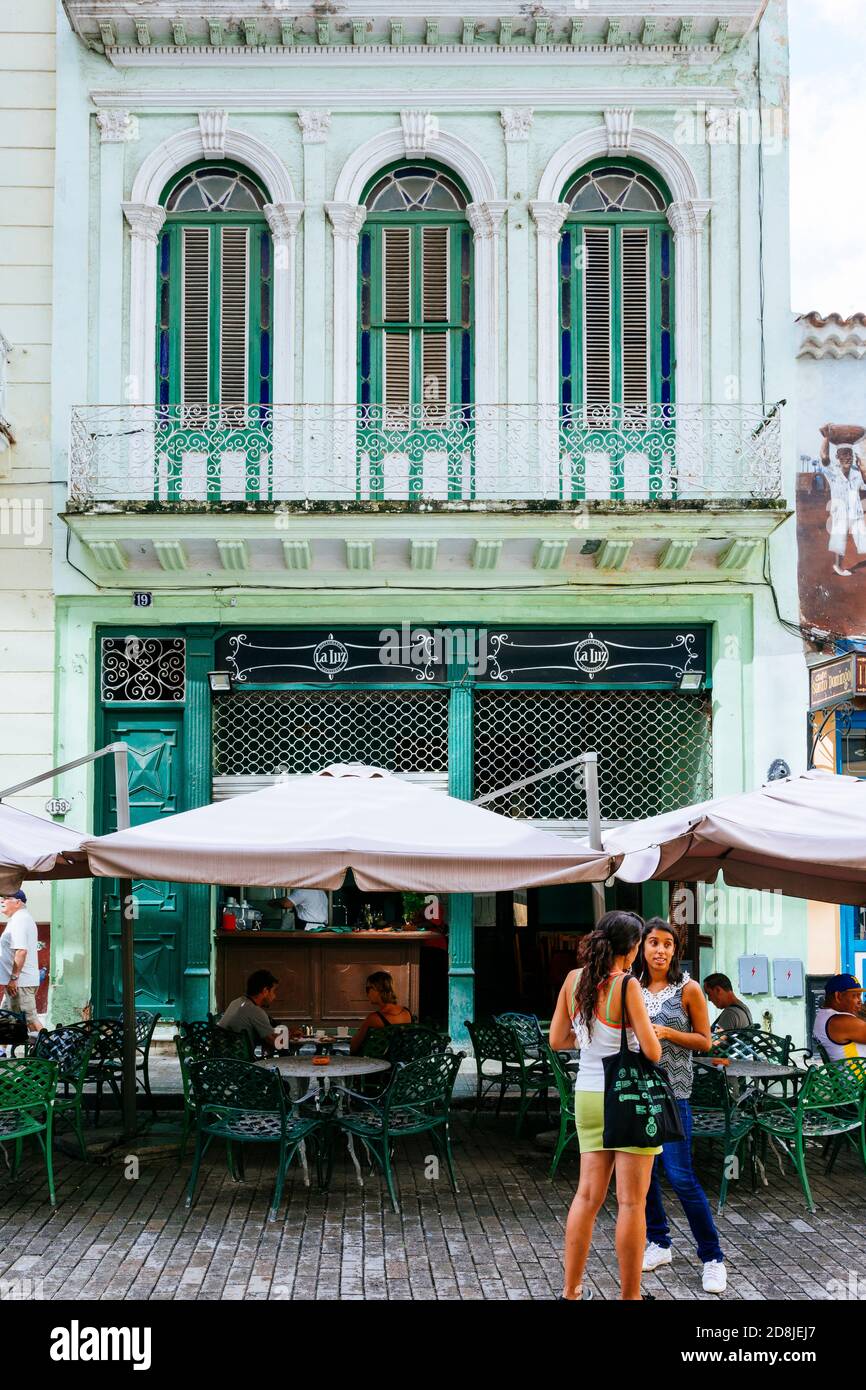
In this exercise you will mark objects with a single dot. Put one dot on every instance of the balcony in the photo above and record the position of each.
(178, 456)
(329, 496)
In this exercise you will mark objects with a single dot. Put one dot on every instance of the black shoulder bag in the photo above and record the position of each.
(640, 1110)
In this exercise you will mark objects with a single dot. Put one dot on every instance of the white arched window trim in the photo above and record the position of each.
(146, 217)
(484, 215)
(686, 215)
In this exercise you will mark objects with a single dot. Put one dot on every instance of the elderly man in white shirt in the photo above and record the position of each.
(19, 960)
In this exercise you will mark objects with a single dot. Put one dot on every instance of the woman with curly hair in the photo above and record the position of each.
(589, 1014)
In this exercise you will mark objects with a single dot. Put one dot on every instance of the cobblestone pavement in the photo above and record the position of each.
(115, 1237)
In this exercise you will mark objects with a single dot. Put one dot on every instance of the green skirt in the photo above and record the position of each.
(589, 1118)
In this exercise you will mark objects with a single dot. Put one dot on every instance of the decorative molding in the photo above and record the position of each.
(612, 555)
(516, 121)
(315, 125)
(145, 220)
(688, 218)
(420, 129)
(116, 127)
(723, 125)
(360, 555)
(283, 219)
(485, 219)
(390, 145)
(234, 555)
(347, 219)
(619, 122)
(213, 126)
(486, 555)
(186, 146)
(548, 217)
(646, 144)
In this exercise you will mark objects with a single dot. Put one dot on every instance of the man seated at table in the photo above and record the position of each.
(735, 1013)
(840, 1026)
(247, 1014)
(386, 1010)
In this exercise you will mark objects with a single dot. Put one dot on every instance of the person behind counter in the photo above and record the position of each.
(247, 1014)
(311, 908)
(386, 1010)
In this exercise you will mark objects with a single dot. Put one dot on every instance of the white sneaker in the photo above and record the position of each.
(715, 1277)
(655, 1256)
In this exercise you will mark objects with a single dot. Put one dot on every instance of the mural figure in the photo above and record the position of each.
(846, 483)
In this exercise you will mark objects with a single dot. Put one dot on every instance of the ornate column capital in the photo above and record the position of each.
(315, 125)
(516, 121)
(116, 127)
(213, 126)
(619, 121)
(687, 218)
(144, 219)
(283, 219)
(347, 219)
(419, 129)
(548, 217)
(485, 219)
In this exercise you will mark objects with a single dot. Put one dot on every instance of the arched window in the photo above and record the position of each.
(214, 292)
(616, 291)
(415, 296)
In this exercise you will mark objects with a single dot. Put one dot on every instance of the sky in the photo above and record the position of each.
(828, 155)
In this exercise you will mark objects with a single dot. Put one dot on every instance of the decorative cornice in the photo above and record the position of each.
(619, 122)
(347, 219)
(516, 121)
(144, 219)
(420, 129)
(315, 125)
(213, 126)
(688, 218)
(116, 127)
(283, 219)
(485, 219)
(548, 217)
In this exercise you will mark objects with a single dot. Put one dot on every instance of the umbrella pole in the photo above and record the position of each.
(593, 815)
(127, 977)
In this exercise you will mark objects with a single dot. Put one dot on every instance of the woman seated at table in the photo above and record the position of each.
(386, 1010)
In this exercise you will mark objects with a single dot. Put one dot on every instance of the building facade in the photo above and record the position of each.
(418, 385)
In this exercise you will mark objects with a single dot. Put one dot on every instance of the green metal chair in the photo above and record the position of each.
(528, 1030)
(499, 1043)
(232, 1045)
(242, 1103)
(564, 1082)
(145, 1024)
(830, 1104)
(406, 1042)
(106, 1059)
(418, 1101)
(717, 1118)
(748, 1044)
(71, 1050)
(28, 1087)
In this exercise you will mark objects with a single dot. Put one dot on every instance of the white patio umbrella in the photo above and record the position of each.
(31, 847)
(307, 831)
(804, 837)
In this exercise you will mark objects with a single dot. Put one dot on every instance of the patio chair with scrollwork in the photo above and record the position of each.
(222, 1043)
(210, 1040)
(105, 1066)
(528, 1030)
(717, 1118)
(70, 1049)
(28, 1087)
(145, 1025)
(242, 1103)
(564, 1082)
(500, 1044)
(830, 1104)
(417, 1101)
(406, 1042)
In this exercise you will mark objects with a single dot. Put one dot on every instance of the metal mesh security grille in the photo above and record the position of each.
(653, 750)
(299, 731)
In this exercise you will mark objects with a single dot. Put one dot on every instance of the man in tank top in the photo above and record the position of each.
(840, 1027)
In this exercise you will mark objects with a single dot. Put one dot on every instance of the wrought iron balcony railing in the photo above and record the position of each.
(167, 455)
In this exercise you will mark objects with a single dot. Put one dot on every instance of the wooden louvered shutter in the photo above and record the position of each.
(635, 317)
(434, 309)
(397, 376)
(234, 316)
(195, 317)
(597, 317)
(396, 274)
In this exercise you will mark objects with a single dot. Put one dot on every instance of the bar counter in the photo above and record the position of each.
(321, 974)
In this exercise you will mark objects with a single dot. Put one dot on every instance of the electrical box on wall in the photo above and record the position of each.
(788, 978)
(754, 974)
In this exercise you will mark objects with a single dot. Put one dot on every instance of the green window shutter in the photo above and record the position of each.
(195, 317)
(435, 307)
(234, 315)
(597, 317)
(396, 274)
(635, 316)
(397, 377)
(434, 375)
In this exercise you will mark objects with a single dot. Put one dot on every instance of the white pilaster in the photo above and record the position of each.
(516, 125)
(485, 219)
(687, 220)
(116, 129)
(549, 218)
(283, 220)
(145, 221)
(347, 219)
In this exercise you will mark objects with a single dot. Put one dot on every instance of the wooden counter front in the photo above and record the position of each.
(321, 974)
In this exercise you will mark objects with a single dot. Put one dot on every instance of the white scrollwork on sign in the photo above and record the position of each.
(144, 670)
(264, 661)
(664, 662)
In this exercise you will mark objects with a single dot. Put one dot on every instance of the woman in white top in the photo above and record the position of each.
(589, 1014)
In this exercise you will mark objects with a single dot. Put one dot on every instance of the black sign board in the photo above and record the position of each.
(373, 656)
(598, 656)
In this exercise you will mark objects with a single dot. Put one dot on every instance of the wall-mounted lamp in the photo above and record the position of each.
(692, 680)
(221, 682)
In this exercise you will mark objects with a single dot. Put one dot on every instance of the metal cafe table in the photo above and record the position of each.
(751, 1076)
(296, 1069)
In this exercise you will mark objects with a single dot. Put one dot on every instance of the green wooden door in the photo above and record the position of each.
(155, 789)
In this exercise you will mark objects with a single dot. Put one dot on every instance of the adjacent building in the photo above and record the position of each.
(419, 384)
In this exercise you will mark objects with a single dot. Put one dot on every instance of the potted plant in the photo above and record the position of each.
(413, 910)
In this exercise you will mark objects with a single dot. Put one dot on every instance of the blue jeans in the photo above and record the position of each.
(676, 1159)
